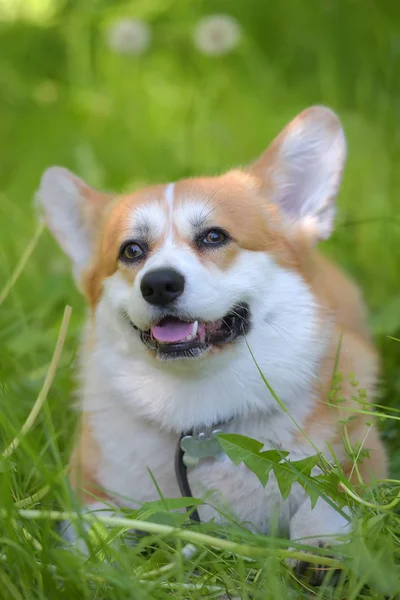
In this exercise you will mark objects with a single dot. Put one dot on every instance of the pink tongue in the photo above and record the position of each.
(172, 331)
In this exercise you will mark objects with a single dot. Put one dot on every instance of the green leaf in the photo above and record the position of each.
(240, 448)
(287, 473)
(306, 465)
(285, 479)
(312, 485)
(313, 493)
(329, 485)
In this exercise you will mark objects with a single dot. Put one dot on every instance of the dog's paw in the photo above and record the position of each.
(90, 537)
(72, 538)
(314, 573)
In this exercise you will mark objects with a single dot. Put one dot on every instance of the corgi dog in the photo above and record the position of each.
(193, 288)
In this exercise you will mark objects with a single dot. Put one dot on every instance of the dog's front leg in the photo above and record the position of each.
(83, 479)
(76, 532)
(320, 526)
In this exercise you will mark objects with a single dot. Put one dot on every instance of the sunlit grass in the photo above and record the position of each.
(124, 121)
(38, 11)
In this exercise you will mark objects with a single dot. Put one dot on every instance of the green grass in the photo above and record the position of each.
(123, 121)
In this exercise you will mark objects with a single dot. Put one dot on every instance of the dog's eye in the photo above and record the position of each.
(131, 252)
(214, 237)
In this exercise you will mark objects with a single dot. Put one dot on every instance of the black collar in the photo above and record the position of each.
(204, 444)
(182, 478)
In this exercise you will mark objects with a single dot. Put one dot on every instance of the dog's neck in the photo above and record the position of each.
(117, 371)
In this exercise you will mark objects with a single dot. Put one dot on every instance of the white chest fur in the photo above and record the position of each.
(135, 451)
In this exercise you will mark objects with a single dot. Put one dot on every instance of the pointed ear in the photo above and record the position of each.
(302, 169)
(73, 212)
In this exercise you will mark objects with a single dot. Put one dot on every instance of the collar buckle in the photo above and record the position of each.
(201, 444)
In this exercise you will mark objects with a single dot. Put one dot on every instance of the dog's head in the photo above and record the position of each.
(190, 268)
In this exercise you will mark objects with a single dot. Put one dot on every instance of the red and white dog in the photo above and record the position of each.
(181, 280)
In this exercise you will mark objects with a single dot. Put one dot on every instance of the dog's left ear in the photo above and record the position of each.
(302, 169)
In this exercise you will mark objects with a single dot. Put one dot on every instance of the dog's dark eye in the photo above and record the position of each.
(214, 237)
(131, 252)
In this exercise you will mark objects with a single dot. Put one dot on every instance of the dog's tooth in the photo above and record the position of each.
(192, 335)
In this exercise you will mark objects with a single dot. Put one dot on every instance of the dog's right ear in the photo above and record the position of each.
(73, 212)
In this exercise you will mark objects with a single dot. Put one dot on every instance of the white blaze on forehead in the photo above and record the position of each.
(169, 199)
(160, 218)
(169, 196)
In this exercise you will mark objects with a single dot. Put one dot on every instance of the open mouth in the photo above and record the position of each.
(173, 337)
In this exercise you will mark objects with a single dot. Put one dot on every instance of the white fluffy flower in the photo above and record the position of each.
(217, 34)
(129, 36)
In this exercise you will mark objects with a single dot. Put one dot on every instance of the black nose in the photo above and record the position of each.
(162, 286)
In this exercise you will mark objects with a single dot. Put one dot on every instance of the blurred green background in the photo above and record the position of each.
(124, 93)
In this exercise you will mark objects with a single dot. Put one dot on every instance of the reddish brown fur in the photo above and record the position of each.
(352, 354)
(114, 222)
(83, 466)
